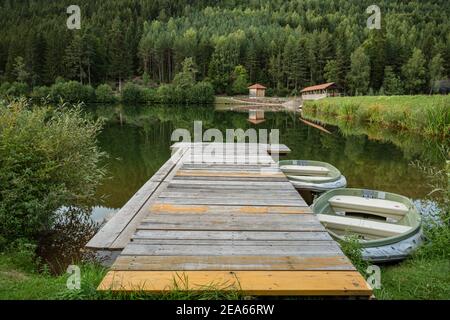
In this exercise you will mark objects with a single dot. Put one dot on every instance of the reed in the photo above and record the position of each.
(426, 115)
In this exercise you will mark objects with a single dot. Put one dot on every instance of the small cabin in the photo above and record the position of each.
(320, 91)
(256, 91)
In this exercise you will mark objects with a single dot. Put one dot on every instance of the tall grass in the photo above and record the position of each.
(426, 115)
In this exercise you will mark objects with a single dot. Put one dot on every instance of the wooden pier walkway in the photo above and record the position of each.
(224, 221)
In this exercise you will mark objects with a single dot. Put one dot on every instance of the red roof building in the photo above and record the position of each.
(320, 91)
(257, 90)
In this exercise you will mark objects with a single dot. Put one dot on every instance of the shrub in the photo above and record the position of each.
(104, 94)
(150, 95)
(39, 93)
(4, 88)
(165, 93)
(18, 89)
(48, 160)
(72, 91)
(201, 92)
(132, 93)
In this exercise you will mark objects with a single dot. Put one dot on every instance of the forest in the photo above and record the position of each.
(285, 45)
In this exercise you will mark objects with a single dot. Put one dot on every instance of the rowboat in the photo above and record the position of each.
(313, 176)
(387, 225)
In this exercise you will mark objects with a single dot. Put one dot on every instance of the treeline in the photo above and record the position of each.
(285, 45)
(183, 90)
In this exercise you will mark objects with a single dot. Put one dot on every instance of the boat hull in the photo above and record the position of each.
(320, 187)
(381, 240)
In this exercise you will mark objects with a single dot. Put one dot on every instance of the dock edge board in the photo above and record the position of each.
(259, 283)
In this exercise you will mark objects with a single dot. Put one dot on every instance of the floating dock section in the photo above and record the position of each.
(224, 220)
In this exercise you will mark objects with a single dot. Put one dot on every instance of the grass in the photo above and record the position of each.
(426, 273)
(20, 280)
(424, 115)
(416, 279)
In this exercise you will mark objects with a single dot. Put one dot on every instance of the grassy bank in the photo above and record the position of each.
(425, 115)
(22, 278)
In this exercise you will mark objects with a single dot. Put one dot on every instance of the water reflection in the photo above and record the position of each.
(137, 140)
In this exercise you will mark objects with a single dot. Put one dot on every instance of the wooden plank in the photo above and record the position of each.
(278, 222)
(227, 249)
(273, 185)
(231, 242)
(279, 283)
(237, 195)
(227, 235)
(124, 237)
(109, 233)
(173, 263)
(104, 238)
(212, 209)
(233, 202)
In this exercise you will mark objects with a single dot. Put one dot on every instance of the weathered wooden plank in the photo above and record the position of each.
(272, 185)
(233, 202)
(124, 237)
(232, 242)
(109, 233)
(186, 209)
(186, 263)
(239, 195)
(104, 238)
(245, 219)
(279, 283)
(228, 249)
(227, 235)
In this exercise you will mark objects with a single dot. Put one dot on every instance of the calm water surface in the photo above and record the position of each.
(137, 140)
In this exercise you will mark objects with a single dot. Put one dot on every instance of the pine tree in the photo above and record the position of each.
(186, 78)
(121, 62)
(436, 70)
(240, 82)
(359, 75)
(331, 71)
(414, 72)
(392, 85)
(20, 70)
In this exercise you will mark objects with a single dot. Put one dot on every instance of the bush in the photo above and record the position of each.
(4, 88)
(201, 92)
(104, 94)
(165, 93)
(132, 93)
(150, 95)
(39, 93)
(72, 91)
(48, 160)
(18, 89)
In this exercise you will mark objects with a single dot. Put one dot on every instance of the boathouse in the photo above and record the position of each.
(256, 91)
(320, 91)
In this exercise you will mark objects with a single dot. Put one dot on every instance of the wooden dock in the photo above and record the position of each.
(224, 221)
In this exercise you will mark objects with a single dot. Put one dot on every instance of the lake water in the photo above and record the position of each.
(137, 140)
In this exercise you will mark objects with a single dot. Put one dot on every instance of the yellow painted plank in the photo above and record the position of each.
(278, 283)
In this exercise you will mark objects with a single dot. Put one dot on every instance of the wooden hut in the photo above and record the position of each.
(256, 91)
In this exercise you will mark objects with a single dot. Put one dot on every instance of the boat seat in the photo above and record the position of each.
(362, 226)
(306, 170)
(378, 207)
(309, 178)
